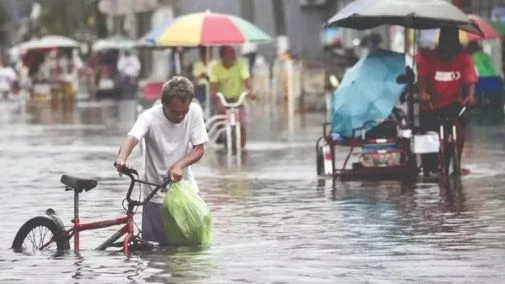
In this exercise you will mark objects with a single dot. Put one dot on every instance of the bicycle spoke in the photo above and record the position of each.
(37, 238)
(41, 238)
(30, 238)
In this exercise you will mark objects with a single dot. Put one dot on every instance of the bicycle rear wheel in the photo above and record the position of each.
(38, 235)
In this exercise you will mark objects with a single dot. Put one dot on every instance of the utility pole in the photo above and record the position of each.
(132, 23)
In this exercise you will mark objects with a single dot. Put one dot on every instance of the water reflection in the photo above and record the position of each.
(274, 221)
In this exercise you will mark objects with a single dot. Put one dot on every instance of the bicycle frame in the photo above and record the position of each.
(448, 139)
(127, 229)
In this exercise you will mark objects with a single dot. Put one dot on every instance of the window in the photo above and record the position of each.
(118, 25)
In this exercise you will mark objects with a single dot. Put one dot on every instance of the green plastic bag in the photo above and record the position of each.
(187, 218)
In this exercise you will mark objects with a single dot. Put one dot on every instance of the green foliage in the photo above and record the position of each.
(65, 17)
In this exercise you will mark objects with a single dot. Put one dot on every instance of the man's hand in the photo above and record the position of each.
(470, 100)
(120, 163)
(175, 173)
(251, 95)
(424, 96)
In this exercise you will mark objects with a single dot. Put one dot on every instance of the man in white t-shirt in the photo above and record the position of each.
(175, 135)
(129, 67)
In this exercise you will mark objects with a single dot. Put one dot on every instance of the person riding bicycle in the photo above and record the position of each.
(174, 134)
(230, 77)
(443, 75)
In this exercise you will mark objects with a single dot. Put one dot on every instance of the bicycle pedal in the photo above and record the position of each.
(141, 245)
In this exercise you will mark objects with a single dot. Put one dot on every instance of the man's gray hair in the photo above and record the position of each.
(177, 87)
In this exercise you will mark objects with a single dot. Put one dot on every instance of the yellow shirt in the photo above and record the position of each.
(230, 81)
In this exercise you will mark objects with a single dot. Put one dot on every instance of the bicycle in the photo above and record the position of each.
(231, 122)
(52, 227)
(448, 135)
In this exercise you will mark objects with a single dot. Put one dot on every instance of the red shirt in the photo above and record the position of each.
(445, 79)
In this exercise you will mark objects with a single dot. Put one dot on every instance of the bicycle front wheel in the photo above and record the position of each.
(234, 144)
(442, 160)
(38, 235)
(456, 165)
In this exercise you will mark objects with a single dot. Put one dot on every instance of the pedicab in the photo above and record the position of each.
(36, 51)
(391, 151)
(362, 119)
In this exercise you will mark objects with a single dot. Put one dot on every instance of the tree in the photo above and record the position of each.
(68, 18)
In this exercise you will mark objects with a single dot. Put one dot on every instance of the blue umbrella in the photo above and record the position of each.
(150, 38)
(368, 91)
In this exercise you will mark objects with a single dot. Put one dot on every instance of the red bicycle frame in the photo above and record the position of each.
(127, 221)
(78, 227)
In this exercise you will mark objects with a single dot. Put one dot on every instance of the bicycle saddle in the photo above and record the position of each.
(78, 184)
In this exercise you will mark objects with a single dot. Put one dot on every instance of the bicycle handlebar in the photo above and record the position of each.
(236, 104)
(127, 171)
(130, 173)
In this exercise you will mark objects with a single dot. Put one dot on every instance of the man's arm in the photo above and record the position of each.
(125, 151)
(470, 99)
(214, 87)
(423, 94)
(176, 171)
(248, 86)
(470, 78)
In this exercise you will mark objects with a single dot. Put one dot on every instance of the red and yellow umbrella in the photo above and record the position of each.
(209, 29)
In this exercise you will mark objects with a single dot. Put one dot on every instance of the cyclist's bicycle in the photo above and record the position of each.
(229, 124)
(47, 233)
(449, 154)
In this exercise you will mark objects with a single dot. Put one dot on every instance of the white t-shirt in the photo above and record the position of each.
(167, 142)
(129, 65)
(7, 77)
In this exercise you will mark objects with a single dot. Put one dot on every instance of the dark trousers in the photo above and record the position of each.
(428, 122)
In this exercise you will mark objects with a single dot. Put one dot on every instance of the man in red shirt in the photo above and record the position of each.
(443, 74)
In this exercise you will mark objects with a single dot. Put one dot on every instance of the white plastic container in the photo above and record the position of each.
(426, 143)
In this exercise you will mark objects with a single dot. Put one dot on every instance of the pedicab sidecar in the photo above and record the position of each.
(384, 152)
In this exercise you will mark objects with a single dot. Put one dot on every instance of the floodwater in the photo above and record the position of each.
(274, 220)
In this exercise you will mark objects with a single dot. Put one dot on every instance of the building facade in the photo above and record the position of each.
(300, 20)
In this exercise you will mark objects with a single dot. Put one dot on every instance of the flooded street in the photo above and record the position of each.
(274, 220)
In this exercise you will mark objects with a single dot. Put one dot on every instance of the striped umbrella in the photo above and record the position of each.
(209, 29)
(488, 32)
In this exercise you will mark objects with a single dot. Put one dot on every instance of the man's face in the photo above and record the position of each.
(229, 57)
(176, 110)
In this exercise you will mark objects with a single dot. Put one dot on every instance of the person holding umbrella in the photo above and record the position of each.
(443, 74)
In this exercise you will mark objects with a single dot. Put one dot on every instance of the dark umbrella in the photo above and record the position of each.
(416, 14)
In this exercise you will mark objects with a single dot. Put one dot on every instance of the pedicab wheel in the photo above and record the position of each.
(442, 161)
(456, 166)
(36, 233)
(319, 161)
